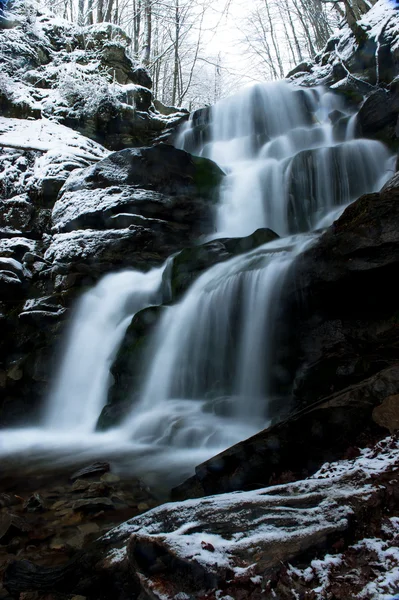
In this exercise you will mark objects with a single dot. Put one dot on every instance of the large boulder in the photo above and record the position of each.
(378, 116)
(134, 208)
(347, 322)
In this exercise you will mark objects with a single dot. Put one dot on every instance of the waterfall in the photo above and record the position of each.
(96, 331)
(290, 155)
(209, 372)
(292, 163)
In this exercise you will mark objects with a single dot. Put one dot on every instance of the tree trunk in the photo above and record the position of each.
(100, 11)
(148, 32)
(176, 54)
(81, 10)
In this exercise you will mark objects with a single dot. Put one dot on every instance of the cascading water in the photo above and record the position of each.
(292, 164)
(96, 332)
(290, 155)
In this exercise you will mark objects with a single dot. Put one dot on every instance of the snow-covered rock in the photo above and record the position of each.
(356, 64)
(81, 76)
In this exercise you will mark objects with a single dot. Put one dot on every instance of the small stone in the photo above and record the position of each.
(78, 598)
(15, 373)
(72, 518)
(80, 485)
(35, 503)
(387, 413)
(97, 468)
(110, 478)
(87, 528)
(93, 504)
(143, 506)
(10, 526)
(58, 504)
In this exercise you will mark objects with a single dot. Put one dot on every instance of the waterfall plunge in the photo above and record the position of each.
(207, 384)
(96, 332)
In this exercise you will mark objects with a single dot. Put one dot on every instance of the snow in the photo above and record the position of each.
(47, 136)
(8, 247)
(386, 564)
(32, 151)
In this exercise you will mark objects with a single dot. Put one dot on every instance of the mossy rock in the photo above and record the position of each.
(128, 367)
(191, 262)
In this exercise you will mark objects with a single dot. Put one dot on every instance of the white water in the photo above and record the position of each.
(287, 165)
(208, 383)
(97, 329)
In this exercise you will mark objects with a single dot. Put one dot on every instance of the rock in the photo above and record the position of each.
(95, 469)
(9, 500)
(16, 212)
(110, 478)
(387, 414)
(346, 325)
(10, 526)
(35, 503)
(191, 262)
(93, 505)
(299, 444)
(378, 116)
(303, 67)
(123, 189)
(127, 368)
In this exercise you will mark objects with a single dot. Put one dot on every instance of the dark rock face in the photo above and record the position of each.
(379, 115)
(348, 322)
(128, 368)
(298, 446)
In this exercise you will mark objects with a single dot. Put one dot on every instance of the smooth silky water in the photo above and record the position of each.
(210, 362)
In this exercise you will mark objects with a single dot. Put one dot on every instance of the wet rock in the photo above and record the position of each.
(127, 368)
(11, 526)
(95, 469)
(379, 114)
(191, 262)
(9, 500)
(300, 444)
(93, 504)
(36, 503)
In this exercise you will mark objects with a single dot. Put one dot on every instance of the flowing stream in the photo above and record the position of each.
(292, 164)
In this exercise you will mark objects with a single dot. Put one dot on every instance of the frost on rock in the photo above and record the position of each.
(347, 64)
(239, 539)
(38, 156)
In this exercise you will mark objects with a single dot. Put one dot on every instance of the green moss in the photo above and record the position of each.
(208, 176)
